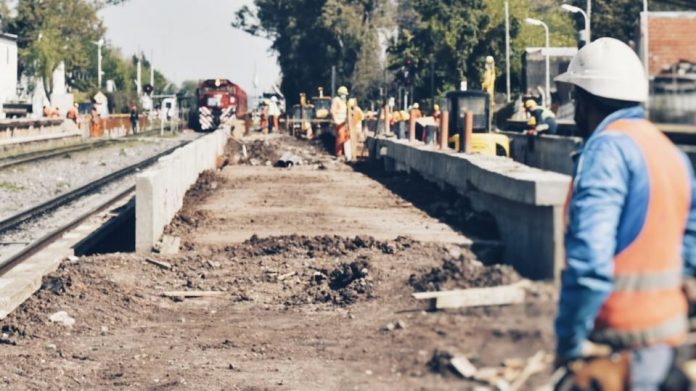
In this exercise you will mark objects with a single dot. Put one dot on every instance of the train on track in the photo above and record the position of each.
(219, 101)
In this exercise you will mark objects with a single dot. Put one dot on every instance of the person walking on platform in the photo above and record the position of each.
(134, 118)
(339, 114)
(544, 119)
(631, 230)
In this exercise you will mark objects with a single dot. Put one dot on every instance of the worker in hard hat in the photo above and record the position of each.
(488, 82)
(273, 114)
(355, 129)
(631, 219)
(544, 119)
(339, 115)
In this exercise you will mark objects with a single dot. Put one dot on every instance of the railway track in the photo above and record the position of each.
(14, 222)
(42, 155)
(35, 156)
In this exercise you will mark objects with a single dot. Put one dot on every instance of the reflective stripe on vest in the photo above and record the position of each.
(647, 282)
(647, 305)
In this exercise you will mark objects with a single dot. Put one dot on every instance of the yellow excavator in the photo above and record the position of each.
(484, 140)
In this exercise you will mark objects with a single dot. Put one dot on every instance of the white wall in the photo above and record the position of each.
(160, 190)
(8, 67)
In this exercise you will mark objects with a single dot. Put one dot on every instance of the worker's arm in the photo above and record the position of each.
(689, 249)
(599, 195)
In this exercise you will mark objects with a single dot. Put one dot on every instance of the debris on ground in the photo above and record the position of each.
(168, 245)
(476, 297)
(288, 159)
(162, 264)
(344, 285)
(63, 318)
(463, 272)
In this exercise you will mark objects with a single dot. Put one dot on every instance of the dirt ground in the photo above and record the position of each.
(315, 266)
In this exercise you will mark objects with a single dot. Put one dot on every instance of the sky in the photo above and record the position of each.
(192, 40)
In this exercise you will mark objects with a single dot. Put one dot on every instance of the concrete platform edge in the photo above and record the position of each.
(527, 203)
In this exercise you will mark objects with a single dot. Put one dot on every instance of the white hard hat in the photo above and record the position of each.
(610, 69)
(274, 99)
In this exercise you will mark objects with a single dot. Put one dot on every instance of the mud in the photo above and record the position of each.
(461, 273)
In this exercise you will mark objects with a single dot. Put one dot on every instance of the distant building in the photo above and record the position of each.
(672, 66)
(8, 67)
(670, 39)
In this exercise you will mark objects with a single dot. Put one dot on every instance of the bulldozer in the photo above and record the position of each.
(484, 140)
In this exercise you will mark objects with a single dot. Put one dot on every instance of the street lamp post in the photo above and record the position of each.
(507, 48)
(578, 10)
(537, 22)
(99, 44)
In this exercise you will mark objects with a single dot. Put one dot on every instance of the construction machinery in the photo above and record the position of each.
(484, 140)
(322, 111)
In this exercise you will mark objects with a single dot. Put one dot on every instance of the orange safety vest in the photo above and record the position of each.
(647, 305)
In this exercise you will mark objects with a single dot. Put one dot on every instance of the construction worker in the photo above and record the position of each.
(544, 119)
(339, 114)
(356, 127)
(273, 114)
(72, 113)
(488, 82)
(631, 229)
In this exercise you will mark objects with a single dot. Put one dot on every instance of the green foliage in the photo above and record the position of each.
(456, 36)
(311, 36)
(51, 31)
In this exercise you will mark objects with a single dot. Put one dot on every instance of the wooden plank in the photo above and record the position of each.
(534, 365)
(476, 297)
(163, 265)
(192, 293)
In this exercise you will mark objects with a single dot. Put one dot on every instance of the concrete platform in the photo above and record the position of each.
(36, 143)
(18, 284)
(527, 203)
(267, 201)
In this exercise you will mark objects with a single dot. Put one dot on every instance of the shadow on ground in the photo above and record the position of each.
(445, 205)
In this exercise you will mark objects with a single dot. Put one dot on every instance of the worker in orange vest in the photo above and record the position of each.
(339, 114)
(72, 113)
(631, 233)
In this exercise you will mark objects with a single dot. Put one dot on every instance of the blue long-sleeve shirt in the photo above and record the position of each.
(610, 189)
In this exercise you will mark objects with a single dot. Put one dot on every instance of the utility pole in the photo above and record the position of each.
(139, 81)
(588, 22)
(99, 44)
(507, 48)
(333, 80)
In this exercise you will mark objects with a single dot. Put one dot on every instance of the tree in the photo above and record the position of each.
(51, 31)
(311, 36)
(454, 37)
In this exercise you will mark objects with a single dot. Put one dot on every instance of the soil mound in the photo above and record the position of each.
(344, 285)
(316, 246)
(461, 273)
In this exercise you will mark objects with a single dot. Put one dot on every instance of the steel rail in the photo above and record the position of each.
(8, 263)
(14, 221)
